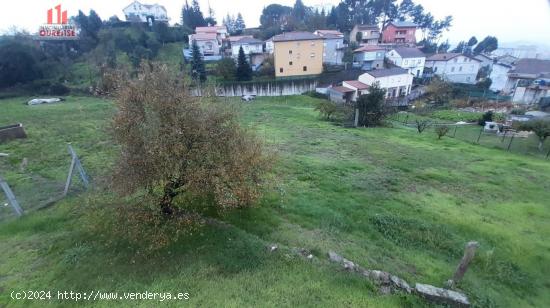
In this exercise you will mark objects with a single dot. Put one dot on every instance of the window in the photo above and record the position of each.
(281, 70)
(467, 78)
(460, 68)
(290, 63)
(452, 69)
(312, 44)
(290, 52)
(305, 68)
(455, 60)
(406, 62)
(435, 69)
(312, 55)
(419, 61)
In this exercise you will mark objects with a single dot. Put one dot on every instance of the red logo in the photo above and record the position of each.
(61, 16)
(58, 29)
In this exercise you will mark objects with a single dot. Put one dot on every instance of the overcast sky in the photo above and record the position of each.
(510, 21)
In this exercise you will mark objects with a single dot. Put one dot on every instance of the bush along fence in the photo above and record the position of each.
(75, 164)
(520, 142)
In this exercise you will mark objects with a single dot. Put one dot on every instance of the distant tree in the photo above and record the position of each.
(211, 20)
(198, 72)
(460, 47)
(332, 19)
(486, 117)
(162, 32)
(299, 11)
(487, 45)
(226, 68)
(484, 84)
(359, 37)
(268, 67)
(439, 91)
(239, 24)
(94, 23)
(244, 71)
(541, 128)
(326, 109)
(443, 47)
(275, 16)
(17, 64)
(441, 130)
(472, 41)
(371, 106)
(422, 124)
(191, 15)
(229, 23)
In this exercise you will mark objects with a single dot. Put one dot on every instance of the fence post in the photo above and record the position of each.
(504, 136)
(510, 144)
(70, 176)
(454, 133)
(480, 132)
(548, 154)
(78, 166)
(11, 197)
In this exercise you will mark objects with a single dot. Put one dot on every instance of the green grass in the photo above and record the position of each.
(387, 198)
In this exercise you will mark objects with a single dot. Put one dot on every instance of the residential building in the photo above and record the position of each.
(297, 54)
(485, 60)
(530, 80)
(370, 34)
(340, 94)
(409, 58)
(399, 32)
(499, 77)
(269, 46)
(357, 86)
(369, 57)
(209, 39)
(396, 81)
(454, 67)
(138, 12)
(333, 46)
(252, 48)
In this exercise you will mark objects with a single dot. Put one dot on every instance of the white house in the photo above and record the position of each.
(397, 81)
(138, 12)
(499, 76)
(208, 43)
(530, 80)
(357, 86)
(454, 67)
(269, 46)
(334, 45)
(409, 58)
(369, 57)
(252, 48)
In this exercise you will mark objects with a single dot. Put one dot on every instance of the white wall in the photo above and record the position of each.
(415, 66)
(499, 76)
(389, 82)
(247, 48)
(460, 69)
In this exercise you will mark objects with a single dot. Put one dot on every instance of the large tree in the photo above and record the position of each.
(244, 71)
(182, 156)
(17, 64)
(488, 44)
(371, 107)
(541, 128)
(198, 72)
(239, 24)
(191, 15)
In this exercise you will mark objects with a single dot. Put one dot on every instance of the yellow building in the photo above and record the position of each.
(298, 54)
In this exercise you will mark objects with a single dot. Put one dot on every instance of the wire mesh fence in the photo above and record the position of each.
(36, 184)
(520, 142)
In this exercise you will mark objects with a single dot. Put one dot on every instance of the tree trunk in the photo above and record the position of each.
(541, 142)
(170, 193)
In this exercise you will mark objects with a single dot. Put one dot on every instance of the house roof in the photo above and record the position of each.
(236, 38)
(409, 52)
(342, 89)
(145, 5)
(248, 40)
(482, 55)
(330, 33)
(448, 56)
(532, 67)
(204, 36)
(403, 24)
(367, 27)
(368, 48)
(357, 84)
(212, 29)
(387, 72)
(295, 36)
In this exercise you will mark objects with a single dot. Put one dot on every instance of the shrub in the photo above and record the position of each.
(421, 125)
(371, 107)
(441, 130)
(326, 109)
(316, 94)
(226, 69)
(517, 111)
(540, 127)
(188, 156)
(486, 117)
(59, 89)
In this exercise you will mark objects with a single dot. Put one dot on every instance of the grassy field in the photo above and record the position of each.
(385, 198)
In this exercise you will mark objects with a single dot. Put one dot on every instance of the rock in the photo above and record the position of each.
(440, 295)
(385, 290)
(310, 257)
(272, 247)
(348, 265)
(380, 277)
(400, 283)
(24, 164)
(334, 257)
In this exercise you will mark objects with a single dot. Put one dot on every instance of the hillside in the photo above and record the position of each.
(386, 198)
